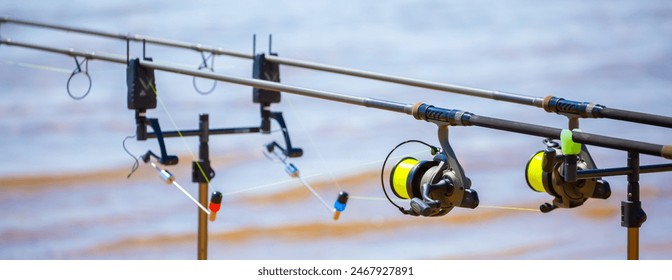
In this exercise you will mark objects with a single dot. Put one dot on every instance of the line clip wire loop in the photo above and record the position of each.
(78, 70)
(204, 65)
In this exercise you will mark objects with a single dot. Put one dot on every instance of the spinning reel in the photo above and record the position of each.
(434, 187)
(554, 171)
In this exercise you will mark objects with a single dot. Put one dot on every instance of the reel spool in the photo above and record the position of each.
(553, 171)
(431, 186)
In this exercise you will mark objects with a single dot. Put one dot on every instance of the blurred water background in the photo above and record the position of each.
(63, 187)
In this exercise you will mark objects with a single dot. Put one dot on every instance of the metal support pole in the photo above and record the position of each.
(204, 159)
(632, 214)
(633, 197)
(633, 243)
(202, 222)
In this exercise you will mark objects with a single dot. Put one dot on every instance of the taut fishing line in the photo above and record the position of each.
(294, 172)
(38, 67)
(73, 73)
(376, 162)
(344, 170)
(480, 205)
(311, 141)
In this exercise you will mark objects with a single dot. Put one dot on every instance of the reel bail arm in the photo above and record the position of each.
(434, 187)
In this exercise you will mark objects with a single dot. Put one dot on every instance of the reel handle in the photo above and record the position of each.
(419, 207)
(547, 207)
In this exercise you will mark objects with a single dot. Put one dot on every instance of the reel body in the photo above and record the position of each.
(431, 186)
(434, 186)
(553, 172)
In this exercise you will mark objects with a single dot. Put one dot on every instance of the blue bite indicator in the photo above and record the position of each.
(339, 205)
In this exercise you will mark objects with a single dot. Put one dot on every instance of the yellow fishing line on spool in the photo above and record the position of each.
(399, 176)
(533, 172)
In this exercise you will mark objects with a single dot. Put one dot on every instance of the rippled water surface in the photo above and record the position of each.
(63, 187)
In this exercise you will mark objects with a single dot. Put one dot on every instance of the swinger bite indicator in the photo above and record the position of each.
(215, 204)
(164, 174)
(340, 204)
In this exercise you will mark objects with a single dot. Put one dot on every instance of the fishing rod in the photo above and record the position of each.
(562, 169)
(552, 104)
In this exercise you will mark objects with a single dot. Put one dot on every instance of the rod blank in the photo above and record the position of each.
(268, 85)
(496, 95)
(69, 52)
(129, 37)
(541, 102)
(643, 118)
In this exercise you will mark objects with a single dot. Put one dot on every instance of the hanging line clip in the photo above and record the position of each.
(204, 65)
(78, 70)
(215, 204)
